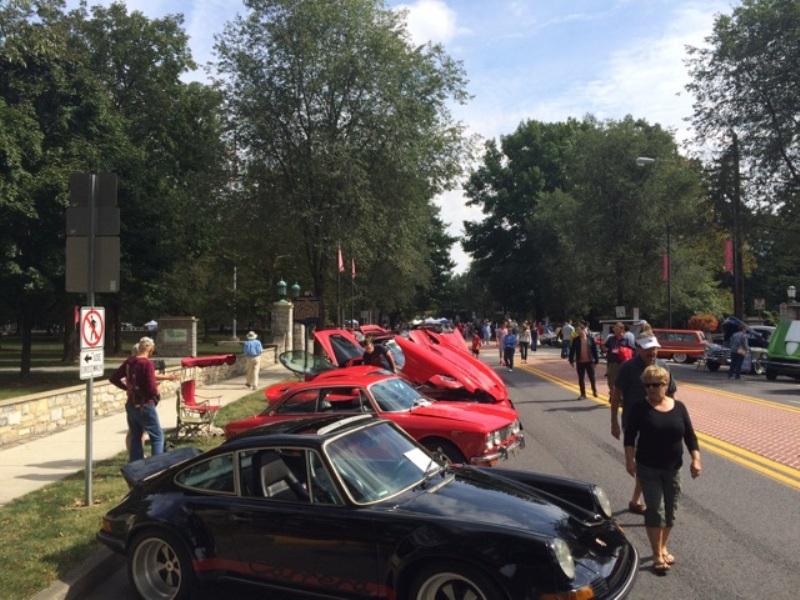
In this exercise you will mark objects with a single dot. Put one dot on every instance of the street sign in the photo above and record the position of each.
(306, 308)
(620, 312)
(91, 363)
(106, 223)
(80, 189)
(759, 303)
(635, 313)
(93, 327)
(106, 264)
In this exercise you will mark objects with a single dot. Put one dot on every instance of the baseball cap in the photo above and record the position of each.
(646, 342)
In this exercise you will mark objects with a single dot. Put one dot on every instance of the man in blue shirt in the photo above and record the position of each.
(509, 346)
(252, 354)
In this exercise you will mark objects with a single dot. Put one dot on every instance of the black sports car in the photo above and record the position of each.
(353, 507)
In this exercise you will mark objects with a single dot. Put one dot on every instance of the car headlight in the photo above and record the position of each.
(602, 500)
(498, 437)
(515, 427)
(563, 557)
(489, 441)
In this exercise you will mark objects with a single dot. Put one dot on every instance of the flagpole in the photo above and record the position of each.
(352, 287)
(339, 269)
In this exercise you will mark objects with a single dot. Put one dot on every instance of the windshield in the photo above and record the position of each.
(397, 353)
(344, 350)
(395, 395)
(300, 361)
(378, 462)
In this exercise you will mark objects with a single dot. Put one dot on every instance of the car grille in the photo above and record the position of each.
(506, 433)
(720, 355)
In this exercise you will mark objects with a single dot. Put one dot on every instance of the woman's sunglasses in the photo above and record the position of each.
(654, 384)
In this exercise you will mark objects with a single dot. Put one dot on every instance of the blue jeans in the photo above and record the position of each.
(736, 365)
(565, 348)
(144, 419)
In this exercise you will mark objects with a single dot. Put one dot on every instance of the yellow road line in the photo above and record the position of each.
(755, 462)
(745, 398)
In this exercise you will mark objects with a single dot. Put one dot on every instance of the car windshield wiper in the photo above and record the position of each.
(428, 473)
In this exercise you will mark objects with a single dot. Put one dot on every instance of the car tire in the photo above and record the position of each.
(758, 368)
(447, 580)
(680, 357)
(159, 567)
(771, 375)
(446, 449)
(712, 366)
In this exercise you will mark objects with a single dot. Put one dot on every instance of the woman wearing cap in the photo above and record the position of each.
(654, 434)
(252, 352)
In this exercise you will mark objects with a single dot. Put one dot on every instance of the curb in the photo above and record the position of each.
(81, 580)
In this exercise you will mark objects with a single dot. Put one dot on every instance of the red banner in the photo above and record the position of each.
(665, 267)
(729, 256)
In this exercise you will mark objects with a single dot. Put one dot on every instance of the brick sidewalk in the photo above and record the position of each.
(765, 428)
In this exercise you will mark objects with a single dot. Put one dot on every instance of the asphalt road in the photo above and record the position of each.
(737, 534)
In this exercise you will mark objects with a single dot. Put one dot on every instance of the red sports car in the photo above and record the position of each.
(424, 358)
(479, 434)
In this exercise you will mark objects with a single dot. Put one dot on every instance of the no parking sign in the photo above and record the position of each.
(93, 329)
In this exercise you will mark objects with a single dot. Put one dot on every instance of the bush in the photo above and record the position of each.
(704, 322)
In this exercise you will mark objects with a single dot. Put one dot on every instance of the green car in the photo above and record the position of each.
(783, 353)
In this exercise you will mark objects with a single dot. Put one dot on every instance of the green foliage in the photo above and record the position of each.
(574, 226)
(342, 134)
(745, 81)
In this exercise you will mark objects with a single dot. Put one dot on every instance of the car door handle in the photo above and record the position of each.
(240, 519)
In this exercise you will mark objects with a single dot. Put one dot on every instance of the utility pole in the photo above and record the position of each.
(669, 277)
(233, 331)
(738, 273)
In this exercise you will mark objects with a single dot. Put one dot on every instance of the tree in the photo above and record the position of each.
(342, 134)
(746, 81)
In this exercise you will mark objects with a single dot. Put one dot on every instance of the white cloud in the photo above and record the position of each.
(430, 21)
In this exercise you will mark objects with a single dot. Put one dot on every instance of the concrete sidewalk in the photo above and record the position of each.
(50, 458)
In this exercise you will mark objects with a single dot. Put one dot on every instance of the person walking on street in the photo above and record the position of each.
(252, 349)
(534, 337)
(137, 376)
(740, 347)
(524, 343)
(509, 347)
(654, 435)
(629, 391)
(618, 350)
(500, 333)
(583, 354)
(566, 337)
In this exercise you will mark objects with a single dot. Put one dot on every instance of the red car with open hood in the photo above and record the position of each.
(465, 432)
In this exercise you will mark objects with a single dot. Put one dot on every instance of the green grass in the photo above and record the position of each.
(49, 532)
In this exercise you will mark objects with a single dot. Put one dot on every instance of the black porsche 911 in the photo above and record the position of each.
(336, 507)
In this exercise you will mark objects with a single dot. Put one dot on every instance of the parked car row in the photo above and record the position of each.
(353, 507)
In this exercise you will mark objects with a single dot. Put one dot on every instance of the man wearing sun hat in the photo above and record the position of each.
(252, 354)
(629, 390)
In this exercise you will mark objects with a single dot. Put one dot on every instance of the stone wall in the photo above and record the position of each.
(25, 417)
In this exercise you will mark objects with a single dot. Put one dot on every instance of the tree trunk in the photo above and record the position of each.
(27, 335)
(69, 354)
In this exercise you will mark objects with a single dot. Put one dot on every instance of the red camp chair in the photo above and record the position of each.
(196, 413)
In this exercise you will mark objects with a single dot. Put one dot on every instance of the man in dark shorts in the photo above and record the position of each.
(378, 355)
(629, 390)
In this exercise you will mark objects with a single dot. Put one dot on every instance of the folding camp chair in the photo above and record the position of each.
(196, 413)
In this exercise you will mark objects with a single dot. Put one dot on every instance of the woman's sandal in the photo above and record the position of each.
(660, 567)
(669, 559)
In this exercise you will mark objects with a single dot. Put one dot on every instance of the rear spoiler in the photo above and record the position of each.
(137, 471)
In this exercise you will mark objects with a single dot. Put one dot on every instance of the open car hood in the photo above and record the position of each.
(429, 358)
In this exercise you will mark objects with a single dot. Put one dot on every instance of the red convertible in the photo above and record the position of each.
(438, 363)
(478, 434)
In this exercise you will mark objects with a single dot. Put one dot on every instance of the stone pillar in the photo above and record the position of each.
(177, 336)
(299, 332)
(282, 319)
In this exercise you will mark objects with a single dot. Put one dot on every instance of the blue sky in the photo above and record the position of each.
(531, 59)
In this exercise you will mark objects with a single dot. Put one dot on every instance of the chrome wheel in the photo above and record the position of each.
(449, 586)
(679, 357)
(156, 569)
